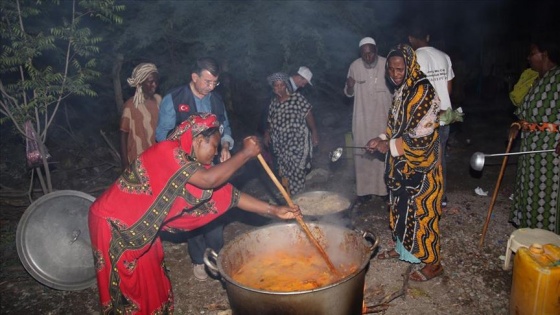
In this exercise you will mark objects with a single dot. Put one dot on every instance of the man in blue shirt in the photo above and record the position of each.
(176, 107)
(196, 97)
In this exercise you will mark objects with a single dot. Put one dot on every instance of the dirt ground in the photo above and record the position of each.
(473, 282)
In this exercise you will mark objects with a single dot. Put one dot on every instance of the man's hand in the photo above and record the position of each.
(350, 82)
(225, 154)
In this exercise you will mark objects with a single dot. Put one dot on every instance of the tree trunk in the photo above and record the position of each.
(117, 66)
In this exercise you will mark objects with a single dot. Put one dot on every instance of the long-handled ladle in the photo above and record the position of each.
(298, 218)
(477, 159)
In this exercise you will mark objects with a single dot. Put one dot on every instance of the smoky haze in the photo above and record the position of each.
(487, 41)
(253, 39)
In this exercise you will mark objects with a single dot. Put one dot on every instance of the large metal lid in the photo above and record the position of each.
(53, 241)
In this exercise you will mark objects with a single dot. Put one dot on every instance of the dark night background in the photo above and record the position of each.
(487, 42)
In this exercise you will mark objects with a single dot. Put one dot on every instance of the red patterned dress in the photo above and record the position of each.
(151, 195)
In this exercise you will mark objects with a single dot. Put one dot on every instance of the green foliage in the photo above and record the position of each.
(48, 55)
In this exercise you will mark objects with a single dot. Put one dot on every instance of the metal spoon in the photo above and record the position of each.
(337, 153)
(477, 159)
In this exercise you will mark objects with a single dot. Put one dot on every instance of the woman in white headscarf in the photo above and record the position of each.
(140, 113)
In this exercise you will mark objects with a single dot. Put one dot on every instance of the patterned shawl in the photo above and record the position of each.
(414, 114)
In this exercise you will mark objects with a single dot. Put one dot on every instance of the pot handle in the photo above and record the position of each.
(370, 237)
(210, 258)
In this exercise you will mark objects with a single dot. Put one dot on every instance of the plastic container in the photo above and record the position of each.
(536, 281)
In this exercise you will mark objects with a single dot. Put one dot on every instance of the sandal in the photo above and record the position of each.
(427, 273)
(388, 254)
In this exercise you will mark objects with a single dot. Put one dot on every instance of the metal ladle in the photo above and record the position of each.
(477, 159)
(337, 153)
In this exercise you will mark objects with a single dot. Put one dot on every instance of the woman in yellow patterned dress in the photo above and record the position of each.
(412, 167)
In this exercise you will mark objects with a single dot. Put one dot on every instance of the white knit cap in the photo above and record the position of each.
(367, 40)
(306, 74)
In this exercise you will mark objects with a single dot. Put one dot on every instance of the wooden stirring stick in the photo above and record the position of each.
(298, 218)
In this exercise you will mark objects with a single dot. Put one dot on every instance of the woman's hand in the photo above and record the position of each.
(513, 130)
(284, 212)
(315, 139)
(266, 138)
(383, 146)
(377, 144)
(251, 146)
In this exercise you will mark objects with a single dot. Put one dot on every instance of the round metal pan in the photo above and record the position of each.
(53, 243)
(318, 203)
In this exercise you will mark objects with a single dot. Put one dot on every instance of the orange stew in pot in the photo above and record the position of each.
(288, 270)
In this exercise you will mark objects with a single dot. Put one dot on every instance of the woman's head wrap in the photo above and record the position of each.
(139, 75)
(412, 68)
(192, 127)
(278, 76)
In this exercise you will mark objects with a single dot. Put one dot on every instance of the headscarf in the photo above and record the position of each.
(414, 93)
(139, 75)
(278, 76)
(192, 127)
(412, 68)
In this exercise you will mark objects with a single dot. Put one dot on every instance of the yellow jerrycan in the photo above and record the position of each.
(535, 288)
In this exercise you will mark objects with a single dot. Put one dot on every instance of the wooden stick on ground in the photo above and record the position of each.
(298, 218)
(382, 305)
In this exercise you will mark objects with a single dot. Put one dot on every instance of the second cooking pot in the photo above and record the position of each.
(323, 205)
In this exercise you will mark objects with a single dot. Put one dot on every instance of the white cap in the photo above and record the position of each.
(367, 40)
(306, 74)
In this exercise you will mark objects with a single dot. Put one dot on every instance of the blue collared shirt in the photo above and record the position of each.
(167, 118)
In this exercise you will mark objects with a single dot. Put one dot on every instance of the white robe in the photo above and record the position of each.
(372, 100)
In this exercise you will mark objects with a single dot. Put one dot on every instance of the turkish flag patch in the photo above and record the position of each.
(184, 108)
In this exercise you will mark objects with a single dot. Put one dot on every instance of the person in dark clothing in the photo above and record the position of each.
(177, 106)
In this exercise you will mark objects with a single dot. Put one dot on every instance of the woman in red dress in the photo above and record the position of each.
(170, 186)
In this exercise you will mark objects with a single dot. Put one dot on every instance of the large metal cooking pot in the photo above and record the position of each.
(345, 297)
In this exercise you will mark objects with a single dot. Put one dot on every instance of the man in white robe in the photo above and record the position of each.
(372, 99)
